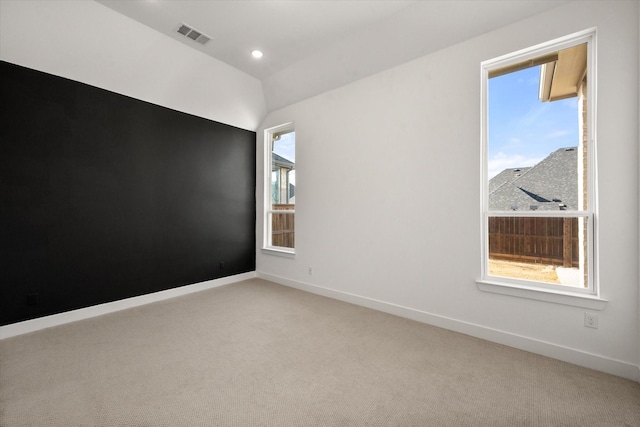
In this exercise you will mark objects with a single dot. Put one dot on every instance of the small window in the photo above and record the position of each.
(538, 174)
(280, 180)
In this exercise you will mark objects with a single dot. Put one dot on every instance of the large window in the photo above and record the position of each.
(280, 188)
(539, 202)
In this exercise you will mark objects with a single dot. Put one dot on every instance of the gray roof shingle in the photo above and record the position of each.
(551, 184)
(281, 162)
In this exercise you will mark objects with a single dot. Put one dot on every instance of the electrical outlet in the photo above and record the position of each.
(591, 320)
(310, 271)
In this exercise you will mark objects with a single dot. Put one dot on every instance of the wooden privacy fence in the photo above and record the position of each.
(283, 226)
(535, 239)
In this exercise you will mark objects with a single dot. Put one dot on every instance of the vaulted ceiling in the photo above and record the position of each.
(313, 46)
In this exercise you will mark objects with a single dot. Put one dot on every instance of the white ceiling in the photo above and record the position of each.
(311, 46)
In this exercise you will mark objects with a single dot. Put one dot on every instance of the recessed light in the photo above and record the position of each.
(256, 54)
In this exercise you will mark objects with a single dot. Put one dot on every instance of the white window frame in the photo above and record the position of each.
(267, 247)
(588, 297)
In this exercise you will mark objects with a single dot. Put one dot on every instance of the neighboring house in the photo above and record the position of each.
(292, 194)
(283, 190)
(551, 184)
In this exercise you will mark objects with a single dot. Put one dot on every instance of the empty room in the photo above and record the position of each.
(319, 213)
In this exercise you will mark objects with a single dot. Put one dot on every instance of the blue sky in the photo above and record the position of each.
(522, 129)
(285, 146)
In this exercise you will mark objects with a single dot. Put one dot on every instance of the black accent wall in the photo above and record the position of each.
(105, 197)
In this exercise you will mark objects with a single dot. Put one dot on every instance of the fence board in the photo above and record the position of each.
(283, 226)
(535, 239)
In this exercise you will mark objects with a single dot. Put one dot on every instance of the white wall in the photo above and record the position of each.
(88, 42)
(388, 199)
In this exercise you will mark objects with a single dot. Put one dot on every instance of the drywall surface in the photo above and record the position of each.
(388, 193)
(106, 197)
(90, 43)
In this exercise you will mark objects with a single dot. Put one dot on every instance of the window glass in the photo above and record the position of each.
(538, 216)
(280, 214)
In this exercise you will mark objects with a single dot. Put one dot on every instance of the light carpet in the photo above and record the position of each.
(259, 354)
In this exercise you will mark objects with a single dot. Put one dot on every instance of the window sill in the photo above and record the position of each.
(573, 299)
(282, 252)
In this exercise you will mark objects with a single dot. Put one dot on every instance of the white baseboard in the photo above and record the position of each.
(33, 325)
(566, 354)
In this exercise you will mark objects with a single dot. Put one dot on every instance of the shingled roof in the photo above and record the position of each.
(281, 162)
(507, 175)
(552, 184)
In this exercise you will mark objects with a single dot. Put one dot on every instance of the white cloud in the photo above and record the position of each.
(533, 115)
(502, 161)
(285, 146)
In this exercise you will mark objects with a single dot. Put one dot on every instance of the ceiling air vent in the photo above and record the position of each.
(194, 35)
